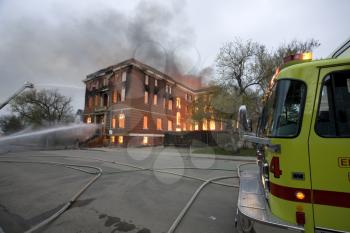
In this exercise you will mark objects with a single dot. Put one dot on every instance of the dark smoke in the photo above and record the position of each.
(60, 47)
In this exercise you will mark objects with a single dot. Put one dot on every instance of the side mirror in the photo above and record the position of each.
(243, 123)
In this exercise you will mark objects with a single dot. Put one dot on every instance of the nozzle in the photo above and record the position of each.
(28, 85)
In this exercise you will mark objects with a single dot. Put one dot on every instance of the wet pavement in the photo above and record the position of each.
(125, 198)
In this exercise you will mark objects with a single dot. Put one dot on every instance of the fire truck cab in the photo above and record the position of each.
(301, 181)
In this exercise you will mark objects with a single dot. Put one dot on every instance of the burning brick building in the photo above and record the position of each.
(135, 104)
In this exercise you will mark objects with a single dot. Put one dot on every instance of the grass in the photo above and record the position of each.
(221, 151)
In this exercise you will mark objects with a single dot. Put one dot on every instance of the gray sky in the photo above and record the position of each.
(55, 44)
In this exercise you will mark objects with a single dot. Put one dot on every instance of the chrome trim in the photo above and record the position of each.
(263, 141)
(258, 140)
(252, 203)
(328, 230)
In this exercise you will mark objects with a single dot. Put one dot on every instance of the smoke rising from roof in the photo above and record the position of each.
(59, 43)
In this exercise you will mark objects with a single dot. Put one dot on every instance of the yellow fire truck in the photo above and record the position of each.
(301, 181)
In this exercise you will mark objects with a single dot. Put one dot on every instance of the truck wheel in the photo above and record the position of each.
(245, 225)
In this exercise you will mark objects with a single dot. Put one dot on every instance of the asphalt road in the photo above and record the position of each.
(122, 199)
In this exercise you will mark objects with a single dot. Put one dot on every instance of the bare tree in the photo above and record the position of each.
(43, 107)
(237, 65)
(241, 65)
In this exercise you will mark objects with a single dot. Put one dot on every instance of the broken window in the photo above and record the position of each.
(159, 124)
(145, 122)
(155, 99)
(178, 102)
(170, 125)
(121, 121)
(146, 97)
(123, 94)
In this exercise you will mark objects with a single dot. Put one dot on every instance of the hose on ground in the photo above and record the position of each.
(137, 168)
(75, 196)
(190, 202)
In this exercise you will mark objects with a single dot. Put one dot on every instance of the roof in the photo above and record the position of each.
(145, 68)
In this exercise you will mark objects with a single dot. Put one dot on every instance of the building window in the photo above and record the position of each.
(113, 122)
(184, 126)
(146, 80)
(196, 126)
(170, 125)
(156, 83)
(212, 125)
(146, 97)
(170, 105)
(221, 125)
(205, 124)
(112, 139)
(178, 117)
(124, 76)
(164, 102)
(97, 100)
(159, 124)
(190, 127)
(123, 94)
(88, 120)
(105, 82)
(178, 102)
(115, 96)
(145, 122)
(155, 99)
(120, 139)
(188, 97)
(104, 100)
(168, 89)
(121, 121)
(145, 140)
(91, 102)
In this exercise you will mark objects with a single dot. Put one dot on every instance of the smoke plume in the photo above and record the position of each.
(53, 42)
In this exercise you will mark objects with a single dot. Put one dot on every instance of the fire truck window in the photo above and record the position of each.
(287, 108)
(333, 117)
(265, 118)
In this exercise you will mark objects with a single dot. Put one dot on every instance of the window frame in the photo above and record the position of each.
(123, 97)
(301, 114)
(159, 124)
(145, 125)
(155, 99)
(121, 121)
(146, 97)
(319, 104)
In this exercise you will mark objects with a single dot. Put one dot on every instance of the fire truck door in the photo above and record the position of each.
(329, 148)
